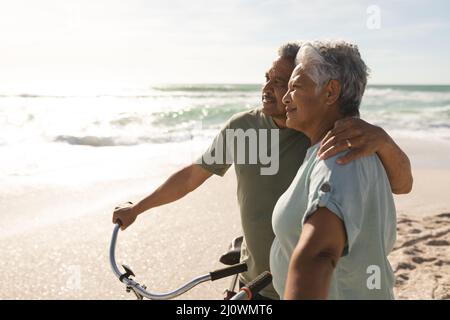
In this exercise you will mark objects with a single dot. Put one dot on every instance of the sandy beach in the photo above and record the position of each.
(421, 256)
(68, 258)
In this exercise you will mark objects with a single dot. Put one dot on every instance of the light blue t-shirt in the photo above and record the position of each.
(359, 193)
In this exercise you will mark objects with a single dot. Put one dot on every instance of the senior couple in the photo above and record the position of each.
(325, 222)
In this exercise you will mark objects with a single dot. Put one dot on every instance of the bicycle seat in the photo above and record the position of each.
(233, 255)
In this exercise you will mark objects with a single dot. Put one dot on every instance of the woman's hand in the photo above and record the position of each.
(125, 214)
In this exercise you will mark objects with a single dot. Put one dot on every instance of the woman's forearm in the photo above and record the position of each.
(315, 257)
(309, 277)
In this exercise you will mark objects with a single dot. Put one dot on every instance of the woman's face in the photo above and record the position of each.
(305, 108)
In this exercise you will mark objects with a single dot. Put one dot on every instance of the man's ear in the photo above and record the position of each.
(333, 92)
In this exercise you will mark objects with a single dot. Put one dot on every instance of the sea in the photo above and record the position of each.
(35, 126)
(65, 153)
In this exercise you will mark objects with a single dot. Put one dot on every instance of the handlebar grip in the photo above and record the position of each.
(226, 272)
(260, 282)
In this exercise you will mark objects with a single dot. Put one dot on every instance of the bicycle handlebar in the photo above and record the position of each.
(229, 271)
(249, 291)
(140, 290)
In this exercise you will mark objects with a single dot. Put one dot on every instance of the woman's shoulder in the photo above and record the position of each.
(367, 166)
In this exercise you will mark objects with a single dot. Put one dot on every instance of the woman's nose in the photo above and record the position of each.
(287, 98)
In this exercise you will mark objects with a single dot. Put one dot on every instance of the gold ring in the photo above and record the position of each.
(349, 144)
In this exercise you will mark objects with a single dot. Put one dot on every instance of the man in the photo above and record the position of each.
(258, 193)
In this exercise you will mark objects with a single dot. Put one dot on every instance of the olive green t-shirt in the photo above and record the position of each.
(259, 182)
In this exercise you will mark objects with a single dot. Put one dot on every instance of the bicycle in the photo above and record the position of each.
(141, 292)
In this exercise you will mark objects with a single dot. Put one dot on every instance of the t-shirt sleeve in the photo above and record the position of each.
(339, 188)
(217, 158)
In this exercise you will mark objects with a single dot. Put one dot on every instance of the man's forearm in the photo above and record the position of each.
(175, 187)
(397, 166)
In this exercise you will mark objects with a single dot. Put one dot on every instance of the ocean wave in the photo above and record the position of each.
(191, 94)
(210, 87)
(414, 88)
(90, 141)
(33, 96)
(399, 94)
(127, 120)
(206, 114)
(117, 141)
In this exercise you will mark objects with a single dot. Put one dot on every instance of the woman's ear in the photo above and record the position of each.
(333, 91)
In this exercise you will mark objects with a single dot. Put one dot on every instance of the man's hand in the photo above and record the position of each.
(126, 214)
(365, 139)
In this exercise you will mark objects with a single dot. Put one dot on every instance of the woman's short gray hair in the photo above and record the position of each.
(338, 60)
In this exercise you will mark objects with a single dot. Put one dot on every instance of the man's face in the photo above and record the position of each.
(305, 107)
(277, 78)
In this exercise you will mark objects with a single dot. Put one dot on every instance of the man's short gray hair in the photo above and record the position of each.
(289, 49)
(339, 60)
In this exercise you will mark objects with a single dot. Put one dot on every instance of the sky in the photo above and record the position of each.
(231, 41)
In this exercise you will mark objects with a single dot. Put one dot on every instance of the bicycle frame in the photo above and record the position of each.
(141, 290)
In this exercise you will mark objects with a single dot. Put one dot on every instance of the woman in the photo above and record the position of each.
(335, 224)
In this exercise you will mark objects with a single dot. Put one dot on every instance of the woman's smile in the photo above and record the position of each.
(290, 110)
